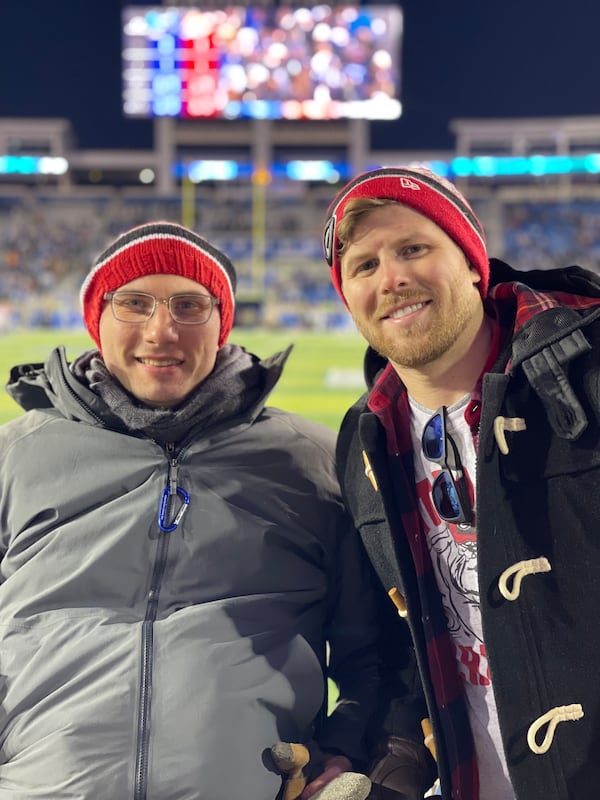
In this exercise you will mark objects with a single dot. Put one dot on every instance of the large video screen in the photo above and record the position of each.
(235, 62)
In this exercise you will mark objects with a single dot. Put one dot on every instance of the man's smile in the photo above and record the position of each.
(160, 362)
(398, 313)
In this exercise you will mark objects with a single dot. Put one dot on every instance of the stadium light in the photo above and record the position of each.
(33, 165)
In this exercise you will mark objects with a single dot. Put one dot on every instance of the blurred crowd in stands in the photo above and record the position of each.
(48, 242)
(540, 235)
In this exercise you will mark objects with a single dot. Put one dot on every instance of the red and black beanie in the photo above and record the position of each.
(159, 248)
(424, 191)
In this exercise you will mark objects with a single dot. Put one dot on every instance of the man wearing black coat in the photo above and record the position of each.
(471, 468)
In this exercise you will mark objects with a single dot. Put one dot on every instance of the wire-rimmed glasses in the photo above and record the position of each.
(186, 309)
(449, 493)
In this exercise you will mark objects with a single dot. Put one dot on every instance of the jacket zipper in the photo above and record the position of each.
(147, 634)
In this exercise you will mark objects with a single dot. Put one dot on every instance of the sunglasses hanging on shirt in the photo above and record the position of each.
(449, 491)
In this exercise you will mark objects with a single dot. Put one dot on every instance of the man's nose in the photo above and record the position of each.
(393, 272)
(161, 324)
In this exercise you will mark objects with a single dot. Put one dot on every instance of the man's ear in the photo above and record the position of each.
(475, 276)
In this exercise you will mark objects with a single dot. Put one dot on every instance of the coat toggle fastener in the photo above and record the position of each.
(516, 573)
(551, 719)
(502, 424)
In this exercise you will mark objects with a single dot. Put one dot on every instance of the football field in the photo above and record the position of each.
(322, 378)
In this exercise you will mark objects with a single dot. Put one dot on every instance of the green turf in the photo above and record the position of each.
(312, 383)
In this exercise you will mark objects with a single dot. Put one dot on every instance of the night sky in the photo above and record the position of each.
(461, 59)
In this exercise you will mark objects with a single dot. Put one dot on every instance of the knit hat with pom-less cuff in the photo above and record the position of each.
(159, 248)
(422, 190)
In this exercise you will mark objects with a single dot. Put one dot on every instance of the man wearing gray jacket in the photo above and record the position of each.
(174, 554)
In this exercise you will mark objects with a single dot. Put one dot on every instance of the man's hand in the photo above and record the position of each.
(332, 767)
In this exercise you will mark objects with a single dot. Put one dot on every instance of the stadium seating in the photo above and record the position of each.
(48, 241)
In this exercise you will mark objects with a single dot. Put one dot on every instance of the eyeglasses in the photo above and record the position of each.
(450, 495)
(186, 309)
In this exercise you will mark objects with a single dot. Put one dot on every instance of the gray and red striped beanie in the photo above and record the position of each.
(431, 195)
(159, 248)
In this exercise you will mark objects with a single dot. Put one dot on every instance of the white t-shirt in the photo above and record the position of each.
(453, 551)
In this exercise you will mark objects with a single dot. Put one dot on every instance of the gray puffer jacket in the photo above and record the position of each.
(161, 664)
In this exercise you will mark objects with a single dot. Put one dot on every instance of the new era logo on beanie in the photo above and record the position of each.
(424, 191)
(159, 248)
(406, 183)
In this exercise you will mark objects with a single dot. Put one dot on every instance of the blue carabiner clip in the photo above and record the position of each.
(164, 509)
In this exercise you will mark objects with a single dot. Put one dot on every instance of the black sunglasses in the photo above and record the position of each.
(450, 495)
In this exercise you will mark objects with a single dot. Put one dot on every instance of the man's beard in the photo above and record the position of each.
(424, 342)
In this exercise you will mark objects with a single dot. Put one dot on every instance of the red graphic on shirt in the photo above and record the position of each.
(453, 553)
(473, 664)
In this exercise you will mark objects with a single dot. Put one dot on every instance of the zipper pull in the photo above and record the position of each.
(171, 490)
(173, 474)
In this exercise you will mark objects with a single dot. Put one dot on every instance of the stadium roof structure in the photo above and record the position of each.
(526, 136)
(261, 150)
